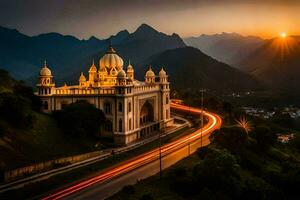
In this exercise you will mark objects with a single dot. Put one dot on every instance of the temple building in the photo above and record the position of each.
(134, 109)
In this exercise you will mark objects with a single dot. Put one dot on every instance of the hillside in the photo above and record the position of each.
(229, 48)
(276, 63)
(28, 136)
(189, 68)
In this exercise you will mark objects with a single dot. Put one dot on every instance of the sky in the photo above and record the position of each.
(102, 18)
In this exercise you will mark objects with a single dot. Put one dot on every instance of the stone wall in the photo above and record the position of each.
(14, 174)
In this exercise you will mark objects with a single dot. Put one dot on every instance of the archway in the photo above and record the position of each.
(146, 114)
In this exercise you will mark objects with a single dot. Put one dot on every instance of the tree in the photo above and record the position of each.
(15, 110)
(27, 92)
(218, 171)
(234, 139)
(264, 137)
(80, 118)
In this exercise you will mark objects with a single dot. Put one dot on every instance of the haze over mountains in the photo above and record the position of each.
(67, 56)
(277, 63)
(229, 48)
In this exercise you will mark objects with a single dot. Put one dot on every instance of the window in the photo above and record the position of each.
(120, 125)
(107, 108)
(129, 124)
(120, 107)
(167, 99)
(129, 107)
(167, 114)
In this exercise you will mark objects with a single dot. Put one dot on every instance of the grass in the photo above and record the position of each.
(62, 180)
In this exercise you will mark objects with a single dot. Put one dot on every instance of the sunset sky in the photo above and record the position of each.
(84, 18)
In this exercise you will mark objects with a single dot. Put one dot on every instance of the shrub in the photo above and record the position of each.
(80, 118)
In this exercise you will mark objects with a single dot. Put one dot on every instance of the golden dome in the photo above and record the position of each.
(82, 77)
(121, 74)
(111, 60)
(162, 72)
(45, 71)
(93, 68)
(150, 72)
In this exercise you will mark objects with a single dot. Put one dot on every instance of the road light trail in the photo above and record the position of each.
(214, 122)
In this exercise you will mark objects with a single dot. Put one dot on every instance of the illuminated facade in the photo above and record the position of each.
(134, 109)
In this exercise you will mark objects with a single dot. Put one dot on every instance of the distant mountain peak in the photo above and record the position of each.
(145, 28)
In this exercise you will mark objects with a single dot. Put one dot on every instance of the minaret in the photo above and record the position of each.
(92, 74)
(130, 71)
(165, 94)
(150, 76)
(46, 83)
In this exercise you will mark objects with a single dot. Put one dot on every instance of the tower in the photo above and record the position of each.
(46, 83)
(92, 74)
(45, 87)
(150, 76)
(130, 71)
(165, 94)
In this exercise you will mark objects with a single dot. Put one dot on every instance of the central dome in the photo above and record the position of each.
(111, 60)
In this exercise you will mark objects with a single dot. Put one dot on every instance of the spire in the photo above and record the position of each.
(110, 48)
(129, 62)
(93, 62)
(110, 42)
(45, 63)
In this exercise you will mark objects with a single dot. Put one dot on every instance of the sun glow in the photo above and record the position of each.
(283, 35)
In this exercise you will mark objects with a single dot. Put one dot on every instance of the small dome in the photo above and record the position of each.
(93, 68)
(130, 68)
(150, 72)
(111, 59)
(121, 74)
(82, 77)
(45, 71)
(162, 72)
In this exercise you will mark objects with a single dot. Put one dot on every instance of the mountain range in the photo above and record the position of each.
(67, 56)
(191, 69)
(274, 62)
(229, 48)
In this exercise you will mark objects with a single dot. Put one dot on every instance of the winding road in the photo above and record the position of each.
(129, 172)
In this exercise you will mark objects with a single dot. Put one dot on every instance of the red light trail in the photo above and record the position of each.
(214, 122)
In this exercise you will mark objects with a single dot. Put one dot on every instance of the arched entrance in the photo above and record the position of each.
(146, 114)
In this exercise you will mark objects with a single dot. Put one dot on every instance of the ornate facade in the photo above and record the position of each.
(134, 109)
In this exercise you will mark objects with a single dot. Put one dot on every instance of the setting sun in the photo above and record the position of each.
(282, 35)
